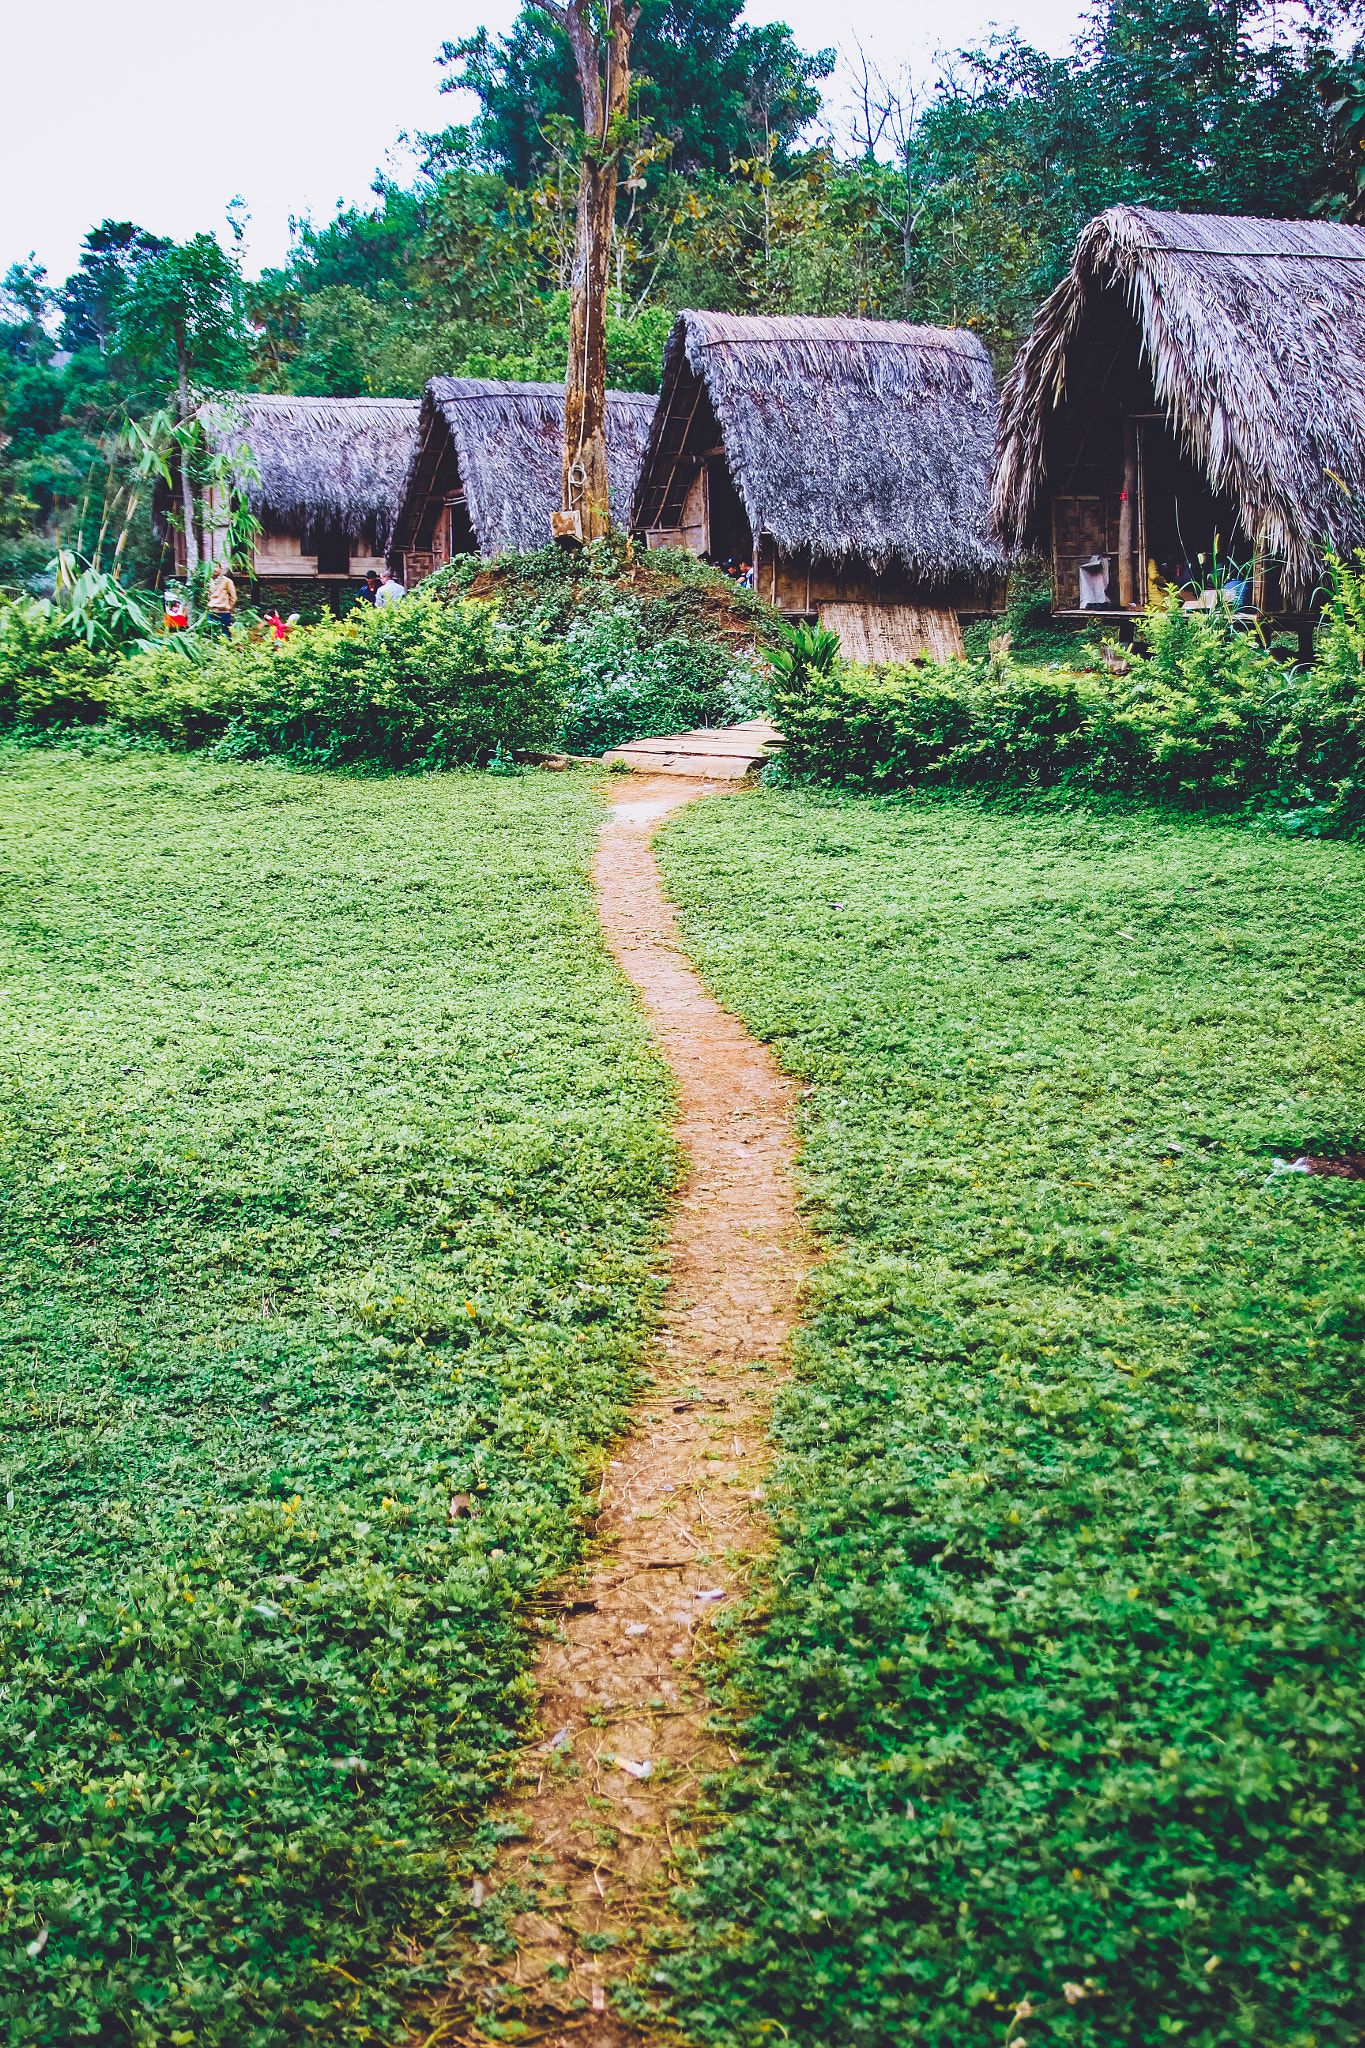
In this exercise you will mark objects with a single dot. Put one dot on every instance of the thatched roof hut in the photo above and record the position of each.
(331, 474)
(486, 468)
(848, 459)
(1191, 374)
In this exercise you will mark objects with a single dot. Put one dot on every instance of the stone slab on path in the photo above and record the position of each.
(722, 753)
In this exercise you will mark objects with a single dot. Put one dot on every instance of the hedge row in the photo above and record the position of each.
(420, 684)
(1202, 713)
(585, 653)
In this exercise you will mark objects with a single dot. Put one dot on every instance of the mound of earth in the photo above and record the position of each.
(673, 591)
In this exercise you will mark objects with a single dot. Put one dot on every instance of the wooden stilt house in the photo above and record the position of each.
(330, 477)
(1192, 377)
(848, 460)
(486, 468)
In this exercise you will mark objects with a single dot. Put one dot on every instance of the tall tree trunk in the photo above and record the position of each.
(182, 371)
(606, 104)
(585, 385)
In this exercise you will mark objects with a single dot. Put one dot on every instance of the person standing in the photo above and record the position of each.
(222, 598)
(390, 590)
(369, 589)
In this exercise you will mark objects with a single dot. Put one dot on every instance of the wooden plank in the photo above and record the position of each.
(725, 753)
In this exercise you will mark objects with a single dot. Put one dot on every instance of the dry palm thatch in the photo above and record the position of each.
(508, 442)
(1254, 334)
(862, 439)
(325, 463)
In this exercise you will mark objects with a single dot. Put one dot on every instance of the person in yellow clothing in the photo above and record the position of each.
(222, 598)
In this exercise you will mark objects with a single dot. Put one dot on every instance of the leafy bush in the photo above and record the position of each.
(622, 685)
(875, 729)
(890, 728)
(1319, 746)
(804, 651)
(46, 677)
(420, 684)
(1201, 702)
(651, 643)
(1205, 714)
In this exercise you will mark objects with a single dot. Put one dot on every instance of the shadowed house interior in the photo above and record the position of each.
(1193, 380)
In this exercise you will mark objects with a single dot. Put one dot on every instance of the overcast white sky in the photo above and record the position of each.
(161, 114)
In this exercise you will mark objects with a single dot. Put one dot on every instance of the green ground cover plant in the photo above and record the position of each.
(1055, 1707)
(1201, 713)
(334, 1163)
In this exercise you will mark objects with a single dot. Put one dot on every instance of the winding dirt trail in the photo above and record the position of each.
(608, 1798)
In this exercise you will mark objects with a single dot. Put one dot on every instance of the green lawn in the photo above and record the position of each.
(1060, 1681)
(334, 1160)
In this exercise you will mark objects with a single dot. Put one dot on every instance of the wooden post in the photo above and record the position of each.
(1140, 593)
(1127, 526)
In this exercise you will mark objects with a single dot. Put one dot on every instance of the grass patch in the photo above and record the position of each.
(1058, 1699)
(334, 1162)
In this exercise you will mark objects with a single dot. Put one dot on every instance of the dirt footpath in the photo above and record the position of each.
(606, 1798)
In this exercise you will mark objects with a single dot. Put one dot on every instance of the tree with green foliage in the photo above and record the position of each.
(1341, 89)
(111, 256)
(184, 307)
(696, 68)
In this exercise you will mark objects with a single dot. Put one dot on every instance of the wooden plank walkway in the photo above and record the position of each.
(720, 753)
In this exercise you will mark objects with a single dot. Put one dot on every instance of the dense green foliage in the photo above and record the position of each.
(1203, 712)
(626, 686)
(701, 71)
(647, 644)
(583, 651)
(46, 676)
(1057, 1705)
(334, 1156)
(420, 685)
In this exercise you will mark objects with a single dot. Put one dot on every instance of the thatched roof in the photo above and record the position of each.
(508, 442)
(853, 438)
(1254, 334)
(323, 462)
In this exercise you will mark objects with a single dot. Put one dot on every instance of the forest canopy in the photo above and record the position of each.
(749, 184)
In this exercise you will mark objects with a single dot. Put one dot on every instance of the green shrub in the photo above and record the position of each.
(1205, 713)
(1202, 703)
(46, 678)
(804, 651)
(621, 684)
(186, 698)
(648, 641)
(872, 729)
(1029, 727)
(421, 684)
(1319, 744)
